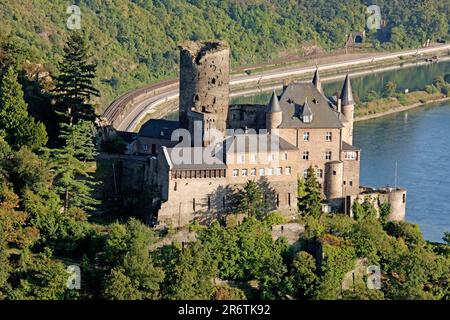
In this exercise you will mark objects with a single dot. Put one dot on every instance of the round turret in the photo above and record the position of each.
(274, 115)
(333, 179)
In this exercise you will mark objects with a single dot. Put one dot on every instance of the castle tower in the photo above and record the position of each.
(317, 82)
(348, 109)
(274, 116)
(333, 180)
(204, 85)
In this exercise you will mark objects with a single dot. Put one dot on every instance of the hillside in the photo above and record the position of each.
(134, 42)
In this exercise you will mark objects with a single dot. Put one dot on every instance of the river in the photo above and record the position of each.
(418, 140)
(411, 78)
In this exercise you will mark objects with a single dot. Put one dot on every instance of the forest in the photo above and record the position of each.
(53, 214)
(137, 40)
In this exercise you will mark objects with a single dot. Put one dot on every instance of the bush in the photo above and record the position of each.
(114, 145)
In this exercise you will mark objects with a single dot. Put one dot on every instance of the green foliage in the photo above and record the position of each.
(274, 218)
(189, 273)
(245, 252)
(73, 182)
(365, 210)
(372, 95)
(251, 201)
(134, 52)
(446, 237)
(229, 293)
(134, 275)
(16, 126)
(410, 233)
(339, 259)
(385, 211)
(304, 275)
(310, 204)
(368, 239)
(114, 145)
(390, 89)
(74, 85)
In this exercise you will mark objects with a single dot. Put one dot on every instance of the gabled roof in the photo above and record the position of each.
(348, 147)
(256, 143)
(274, 104)
(306, 109)
(159, 129)
(292, 103)
(347, 94)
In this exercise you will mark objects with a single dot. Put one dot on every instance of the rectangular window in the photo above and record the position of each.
(350, 155)
(288, 171)
(305, 136)
(253, 172)
(193, 204)
(328, 136)
(235, 172)
(351, 183)
(270, 172)
(145, 147)
(319, 173)
(328, 155)
(278, 171)
(262, 172)
(305, 155)
(244, 172)
(305, 173)
(285, 156)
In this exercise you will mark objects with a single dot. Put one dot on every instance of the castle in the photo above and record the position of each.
(216, 147)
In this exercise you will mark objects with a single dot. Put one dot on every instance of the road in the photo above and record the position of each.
(127, 111)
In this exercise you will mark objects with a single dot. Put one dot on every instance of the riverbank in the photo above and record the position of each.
(395, 106)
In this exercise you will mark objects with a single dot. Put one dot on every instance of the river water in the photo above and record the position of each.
(418, 141)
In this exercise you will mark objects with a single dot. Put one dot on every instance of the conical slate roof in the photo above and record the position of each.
(347, 94)
(274, 104)
(316, 80)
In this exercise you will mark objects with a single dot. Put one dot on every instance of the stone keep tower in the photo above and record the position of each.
(204, 86)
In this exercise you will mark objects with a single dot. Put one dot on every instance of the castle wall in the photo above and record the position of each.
(395, 197)
(152, 146)
(246, 116)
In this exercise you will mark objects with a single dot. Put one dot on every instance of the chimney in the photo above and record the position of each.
(339, 105)
(286, 83)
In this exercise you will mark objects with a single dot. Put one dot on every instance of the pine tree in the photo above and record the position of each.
(74, 86)
(252, 201)
(73, 182)
(17, 127)
(81, 138)
(311, 202)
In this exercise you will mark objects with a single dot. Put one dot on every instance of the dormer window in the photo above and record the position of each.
(307, 115)
(307, 119)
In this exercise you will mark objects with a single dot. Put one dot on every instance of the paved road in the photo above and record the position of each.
(142, 102)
